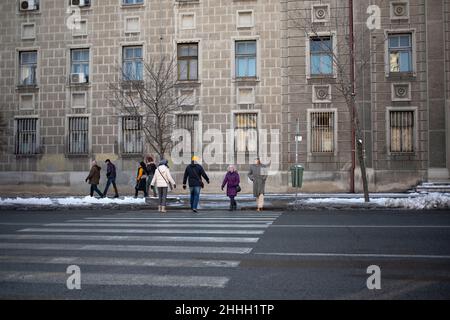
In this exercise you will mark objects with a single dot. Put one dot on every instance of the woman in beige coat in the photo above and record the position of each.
(163, 180)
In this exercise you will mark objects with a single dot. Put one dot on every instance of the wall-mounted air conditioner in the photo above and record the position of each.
(28, 5)
(78, 78)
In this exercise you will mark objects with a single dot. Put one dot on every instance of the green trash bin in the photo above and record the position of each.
(297, 176)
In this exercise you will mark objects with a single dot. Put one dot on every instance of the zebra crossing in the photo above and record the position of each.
(134, 242)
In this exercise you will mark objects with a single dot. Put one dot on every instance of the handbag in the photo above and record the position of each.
(168, 182)
(238, 188)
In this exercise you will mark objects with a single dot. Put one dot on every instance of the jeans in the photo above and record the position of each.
(108, 183)
(149, 181)
(195, 196)
(94, 188)
(162, 191)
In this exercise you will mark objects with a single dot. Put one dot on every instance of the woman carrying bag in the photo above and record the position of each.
(141, 180)
(163, 181)
(232, 181)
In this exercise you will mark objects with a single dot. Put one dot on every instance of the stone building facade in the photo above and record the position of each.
(246, 65)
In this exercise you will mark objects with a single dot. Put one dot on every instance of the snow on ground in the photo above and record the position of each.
(26, 201)
(70, 201)
(428, 201)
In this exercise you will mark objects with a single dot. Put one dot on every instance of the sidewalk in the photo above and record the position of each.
(209, 202)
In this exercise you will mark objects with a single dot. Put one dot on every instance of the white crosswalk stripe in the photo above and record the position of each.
(180, 242)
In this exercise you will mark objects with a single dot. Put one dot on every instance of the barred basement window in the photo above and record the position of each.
(402, 131)
(26, 136)
(78, 135)
(132, 142)
(189, 122)
(246, 132)
(322, 131)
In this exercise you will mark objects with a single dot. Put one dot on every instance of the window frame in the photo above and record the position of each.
(122, 140)
(388, 33)
(122, 54)
(333, 36)
(197, 144)
(82, 62)
(36, 71)
(235, 154)
(88, 136)
(188, 58)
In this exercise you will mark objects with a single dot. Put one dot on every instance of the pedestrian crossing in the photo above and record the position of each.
(131, 249)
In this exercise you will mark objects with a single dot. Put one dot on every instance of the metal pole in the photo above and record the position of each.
(352, 80)
(297, 137)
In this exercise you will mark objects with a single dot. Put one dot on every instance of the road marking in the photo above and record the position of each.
(355, 255)
(116, 261)
(126, 238)
(200, 223)
(360, 226)
(143, 231)
(116, 279)
(129, 248)
(175, 219)
(143, 225)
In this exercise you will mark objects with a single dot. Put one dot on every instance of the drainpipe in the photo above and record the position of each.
(352, 80)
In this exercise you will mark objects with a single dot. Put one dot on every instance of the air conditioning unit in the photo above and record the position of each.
(80, 3)
(78, 78)
(28, 5)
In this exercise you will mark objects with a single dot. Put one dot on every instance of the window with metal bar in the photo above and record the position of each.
(28, 67)
(402, 131)
(26, 136)
(322, 131)
(78, 135)
(132, 135)
(188, 61)
(246, 133)
(189, 122)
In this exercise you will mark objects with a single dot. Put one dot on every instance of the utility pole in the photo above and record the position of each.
(353, 94)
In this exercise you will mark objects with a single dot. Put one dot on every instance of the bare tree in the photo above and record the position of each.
(3, 132)
(344, 56)
(151, 96)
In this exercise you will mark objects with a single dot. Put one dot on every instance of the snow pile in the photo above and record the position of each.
(86, 201)
(429, 201)
(418, 202)
(26, 201)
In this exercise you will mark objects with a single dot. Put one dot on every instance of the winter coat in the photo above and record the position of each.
(258, 174)
(162, 177)
(231, 180)
(94, 175)
(110, 170)
(141, 181)
(194, 172)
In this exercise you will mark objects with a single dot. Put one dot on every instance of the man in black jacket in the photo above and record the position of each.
(111, 175)
(194, 172)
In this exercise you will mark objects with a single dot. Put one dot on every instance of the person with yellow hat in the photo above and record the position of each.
(193, 174)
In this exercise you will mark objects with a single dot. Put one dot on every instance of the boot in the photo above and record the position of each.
(163, 209)
(159, 208)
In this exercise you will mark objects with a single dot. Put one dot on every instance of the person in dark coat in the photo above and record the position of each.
(94, 179)
(193, 174)
(141, 180)
(151, 168)
(232, 181)
(111, 174)
(258, 174)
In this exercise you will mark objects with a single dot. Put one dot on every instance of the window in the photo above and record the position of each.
(131, 2)
(26, 136)
(132, 63)
(80, 62)
(401, 131)
(400, 53)
(190, 122)
(28, 67)
(321, 55)
(188, 61)
(78, 135)
(322, 130)
(132, 142)
(246, 59)
(246, 133)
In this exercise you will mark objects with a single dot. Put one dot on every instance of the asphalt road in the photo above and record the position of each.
(218, 255)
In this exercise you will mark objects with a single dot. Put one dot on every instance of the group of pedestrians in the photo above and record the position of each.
(158, 180)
